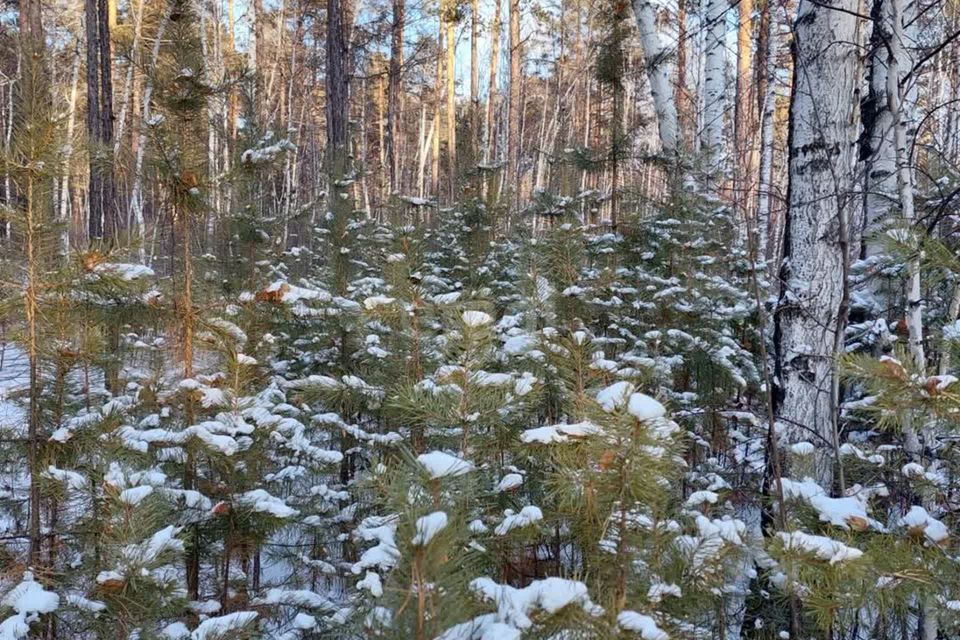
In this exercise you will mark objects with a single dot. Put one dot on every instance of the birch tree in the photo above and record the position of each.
(767, 91)
(656, 21)
(146, 119)
(714, 83)
(877, 149)
(64, 204)
(811, 312)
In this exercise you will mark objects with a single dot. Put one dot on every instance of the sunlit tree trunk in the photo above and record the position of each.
(136, 196)
(450, 18)
(474, 76)
(394, 94)
(766, 62)
(514, 107)
(744, 121)
(131, 77)
(488, 129)
(686, 119)
(103, 217)
(64, 203)
(338, 138)
(255, 54)
(437, 105)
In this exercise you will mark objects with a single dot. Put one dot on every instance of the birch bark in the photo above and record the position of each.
(128, 83)
(136, 197)
(714, 84)
(811, 310)
(877, 140)
(768, 93)
(64, 204)
(659, 39)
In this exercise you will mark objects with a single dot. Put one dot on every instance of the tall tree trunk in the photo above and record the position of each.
(34, 81)
(94, 136)
(130, 81)
(136, 195)
(893, 17)
(234, 98)
(685, 109)
(474, 77)
(394, 94)
(887, 173)
(450, 18)
(106, 10)
(714, 84)
(255, 55)
(426, 138)
(744, 119)
(488, 132)
(811, 312)
(437, 104)
(338, 139)
(877, 148)
(766, 71)
(13, 114)
(383, 173)
(659, 41)
(364, 147)
(515, 107)
(64, 204)
(275, 113)
(103, 217)
(897, 65)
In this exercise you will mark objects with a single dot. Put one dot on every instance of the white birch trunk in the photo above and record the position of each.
(811, 312)
(64, 213)
(889, 178)
(659, 39)
(879, 154)
(425, 146)
(714, 83)
(765, 183)
(900, 109)
(136, 196)
(132, 66)
(8, 140)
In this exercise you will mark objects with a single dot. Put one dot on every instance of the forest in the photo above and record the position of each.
(479, 319)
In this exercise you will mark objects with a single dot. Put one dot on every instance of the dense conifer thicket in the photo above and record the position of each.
(479, 321)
